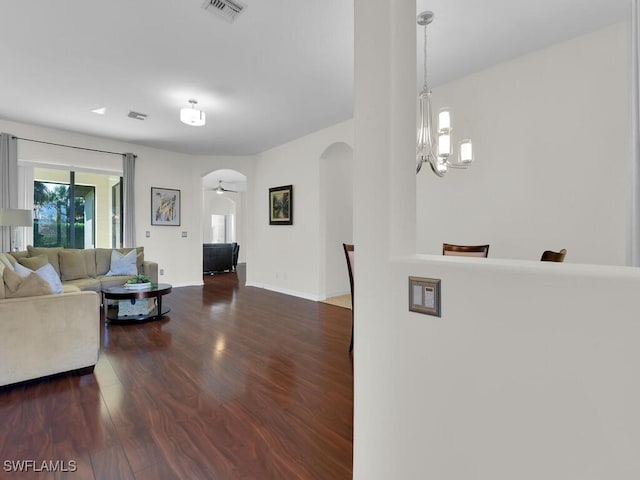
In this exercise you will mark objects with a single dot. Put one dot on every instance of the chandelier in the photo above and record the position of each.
(434, 146)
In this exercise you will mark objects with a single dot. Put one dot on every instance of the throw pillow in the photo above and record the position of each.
(46, 273)
(52, 253)
(22, 270)
(49, 275)
(72, 264)
(123, 264)
(34, 263)
(30, 286)
(12, 280)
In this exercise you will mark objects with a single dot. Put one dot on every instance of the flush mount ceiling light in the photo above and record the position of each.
(438, 153)
(192, 116)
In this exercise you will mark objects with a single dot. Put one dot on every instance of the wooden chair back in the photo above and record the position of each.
(465, 250)
(349, 257)
(551, 256)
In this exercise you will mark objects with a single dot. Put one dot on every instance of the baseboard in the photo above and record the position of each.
(293, 293)
(336, 294)
(187, 284)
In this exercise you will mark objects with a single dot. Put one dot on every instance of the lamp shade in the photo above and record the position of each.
(15, 217)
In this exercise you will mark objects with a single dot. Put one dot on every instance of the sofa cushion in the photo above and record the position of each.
(68, 288)
(103, 260)
(123, 264)
(52, 253)
(90, 260)
(87, 284)
(113, 281)
(34, 263)
(30, 286)
(72, 264)
(15, 256)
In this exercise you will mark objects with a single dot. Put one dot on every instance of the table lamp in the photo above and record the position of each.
(14, 217)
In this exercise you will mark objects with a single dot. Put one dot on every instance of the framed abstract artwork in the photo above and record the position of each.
(165, 206)
(281, 205)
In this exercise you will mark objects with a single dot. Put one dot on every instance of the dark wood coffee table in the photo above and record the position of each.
(155, 292)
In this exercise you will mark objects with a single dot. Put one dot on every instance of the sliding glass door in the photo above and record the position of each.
(74, 209)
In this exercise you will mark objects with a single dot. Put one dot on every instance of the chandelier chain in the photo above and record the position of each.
(426, 86)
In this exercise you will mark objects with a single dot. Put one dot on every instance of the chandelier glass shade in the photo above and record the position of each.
(192, 116)
(434, 145)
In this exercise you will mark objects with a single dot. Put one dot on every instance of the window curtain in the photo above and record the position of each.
(8, 182)
(633, 250)
(25, 201)
(128, 199)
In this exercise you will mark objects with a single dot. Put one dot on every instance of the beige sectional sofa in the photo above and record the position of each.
(86, 269)
(43, 334)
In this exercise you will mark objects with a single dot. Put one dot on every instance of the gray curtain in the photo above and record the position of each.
(8, 182)
(128, 199)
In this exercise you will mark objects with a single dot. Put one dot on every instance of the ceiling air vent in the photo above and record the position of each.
(137, 115)
(227, 9)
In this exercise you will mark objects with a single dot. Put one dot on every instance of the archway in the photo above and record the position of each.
(336, 217)
(222, 210)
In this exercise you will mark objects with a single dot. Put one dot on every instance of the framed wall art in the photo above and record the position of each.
(165, 206)
(281, 205)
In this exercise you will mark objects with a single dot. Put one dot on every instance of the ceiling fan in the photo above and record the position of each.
(220, 189)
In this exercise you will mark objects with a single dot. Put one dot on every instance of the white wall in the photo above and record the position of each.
(532, 370)
(154, 168)
(287, 258)
(551, 138)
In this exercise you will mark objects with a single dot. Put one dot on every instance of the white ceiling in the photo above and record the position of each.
(283, 69)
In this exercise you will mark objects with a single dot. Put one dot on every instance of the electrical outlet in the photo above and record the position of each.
(184, 234)
(162, 271)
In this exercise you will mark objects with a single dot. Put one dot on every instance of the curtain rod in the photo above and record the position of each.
(69, 146)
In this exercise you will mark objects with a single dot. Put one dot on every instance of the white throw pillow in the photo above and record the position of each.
(46, 272)
(123, 264)
(22, 270)
(49, 275)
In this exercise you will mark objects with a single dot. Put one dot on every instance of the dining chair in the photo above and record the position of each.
(465, 250)
(349, 256)
(551, 256)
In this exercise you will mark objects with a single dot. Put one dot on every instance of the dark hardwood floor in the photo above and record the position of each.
(235, 383)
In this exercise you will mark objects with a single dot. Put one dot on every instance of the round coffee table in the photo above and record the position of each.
(153, 293)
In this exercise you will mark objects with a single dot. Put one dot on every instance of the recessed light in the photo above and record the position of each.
(100, 110)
